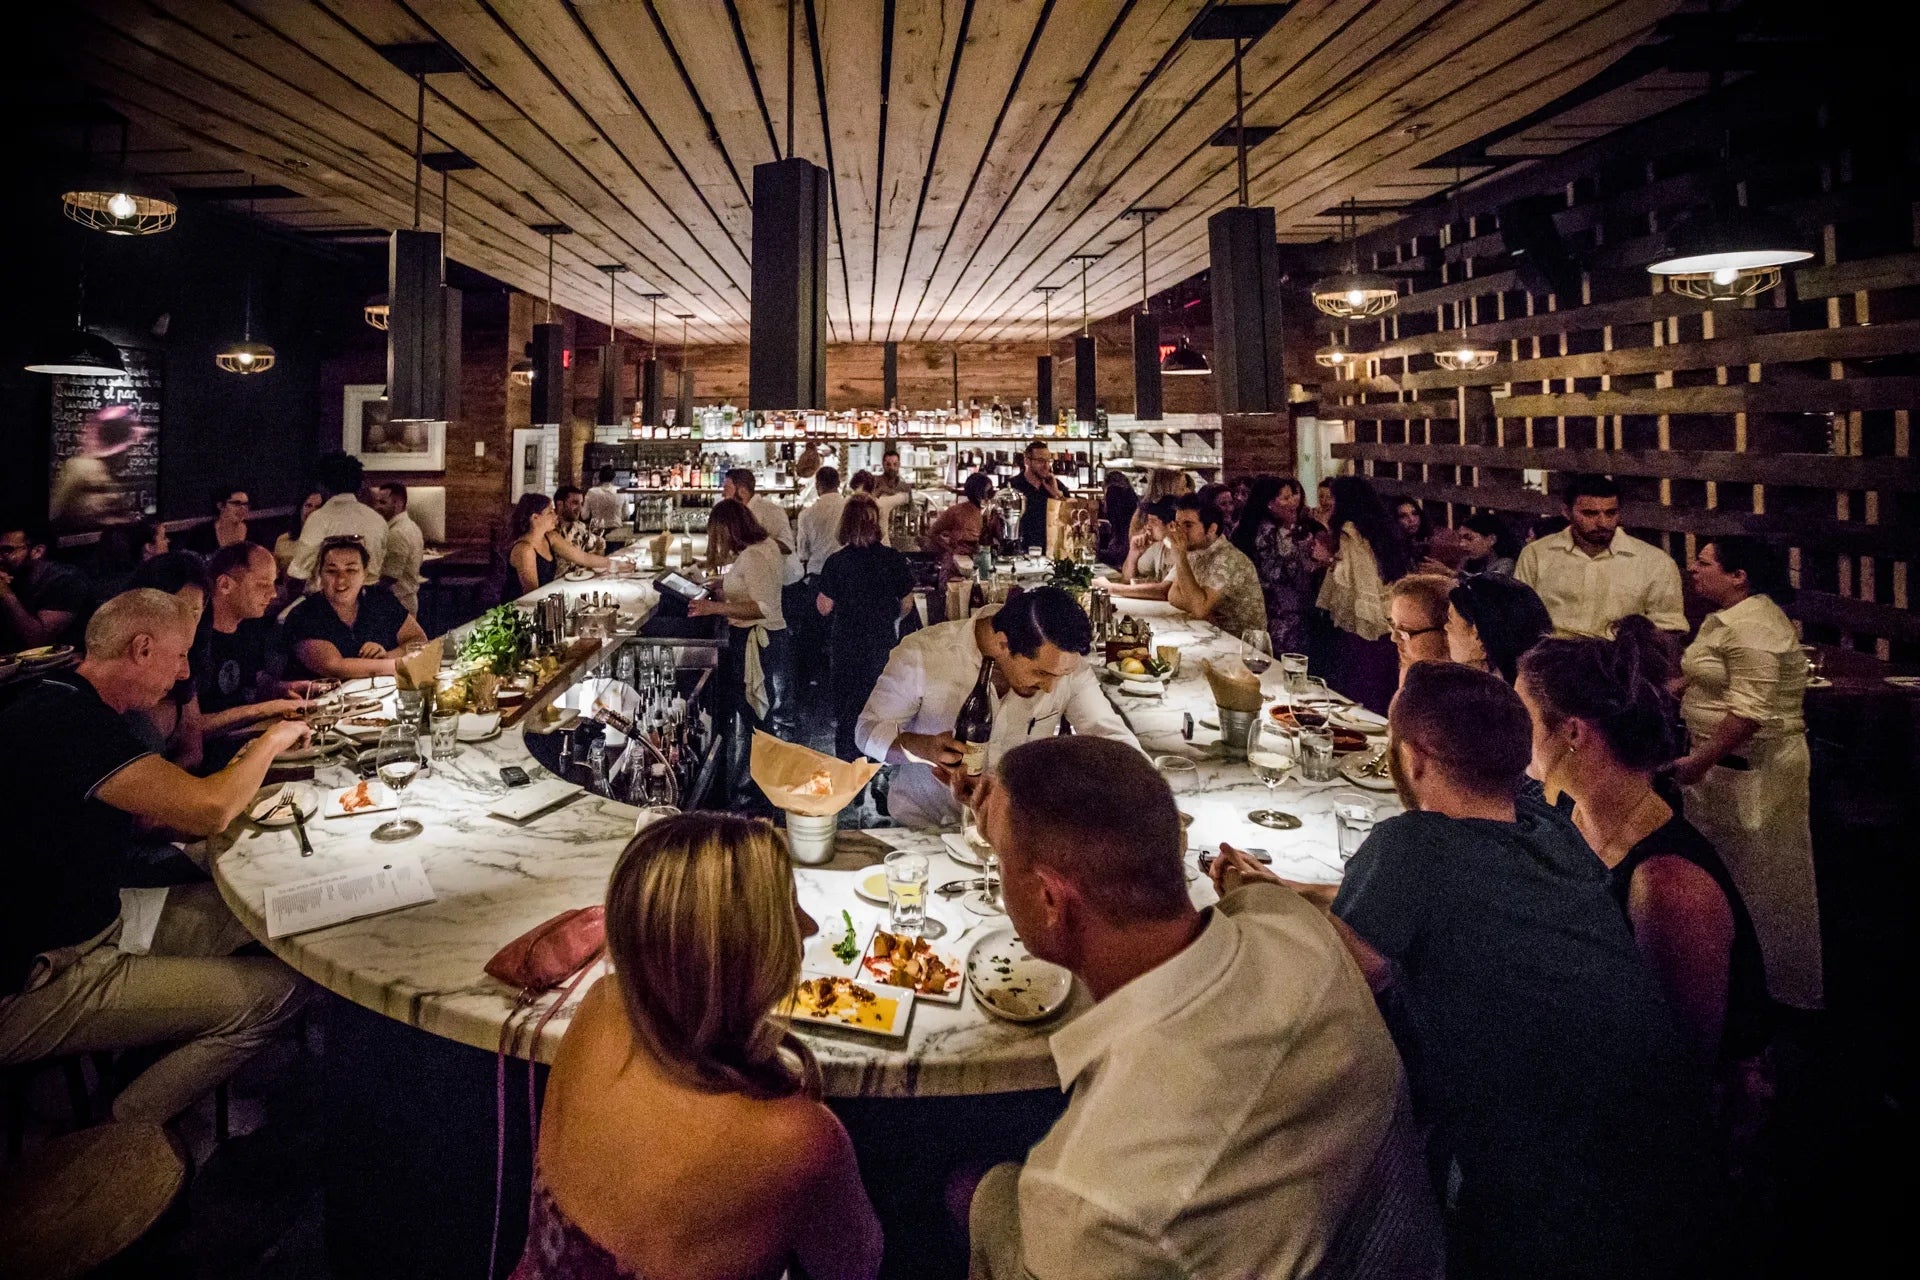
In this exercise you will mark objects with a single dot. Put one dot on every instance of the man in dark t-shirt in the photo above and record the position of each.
(1537, 1043)
(236, 650)
(41, 601)
(1039, 486)
(75, 977)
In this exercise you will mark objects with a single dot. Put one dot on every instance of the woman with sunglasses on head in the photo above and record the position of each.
(752, 1173)
(1745, 774)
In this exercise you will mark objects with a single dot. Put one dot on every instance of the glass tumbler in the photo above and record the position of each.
(446, 735)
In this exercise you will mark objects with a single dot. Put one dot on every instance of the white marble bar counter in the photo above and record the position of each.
(494, 879)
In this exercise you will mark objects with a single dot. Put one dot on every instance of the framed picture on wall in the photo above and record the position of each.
(381, 445)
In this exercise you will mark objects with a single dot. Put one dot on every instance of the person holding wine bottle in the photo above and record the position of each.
(1022, 661)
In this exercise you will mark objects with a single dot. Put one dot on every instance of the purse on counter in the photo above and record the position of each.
(556, 953)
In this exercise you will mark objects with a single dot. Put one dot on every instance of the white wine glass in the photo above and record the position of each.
(1256, 650)
(323, 707)
(1272, 750)
(398, 760)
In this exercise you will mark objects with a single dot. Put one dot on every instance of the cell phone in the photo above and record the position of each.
(514, 776)
(1207, 858)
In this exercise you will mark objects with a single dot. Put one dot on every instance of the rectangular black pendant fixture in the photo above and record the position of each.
(548, 351)
(1085, 399)
(1146, 367)
(650, 392)
(417, 339)
(683, 410)
(787, 344)
(611, 411)
(1245, 265)
(1043, 387)
(890, 375)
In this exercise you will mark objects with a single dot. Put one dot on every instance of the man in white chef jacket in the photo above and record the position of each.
(1041, 679)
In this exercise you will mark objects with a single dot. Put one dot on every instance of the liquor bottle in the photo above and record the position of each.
(974, 727)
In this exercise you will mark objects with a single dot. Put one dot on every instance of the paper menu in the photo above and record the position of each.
(353, 893)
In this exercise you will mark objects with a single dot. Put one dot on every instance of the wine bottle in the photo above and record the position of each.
(975, 724)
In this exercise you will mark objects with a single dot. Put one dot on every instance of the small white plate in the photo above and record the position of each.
(1009, 983)
(874, 973)
(1138, 688)
(960, 851)
(890, 1010)
(1819, 682)
(522, 803)
(1357, 720)
(299, 793)
(1903, 682)
(376, 791)
(1350, 770)
(872, 887)
(819, 956)
(579, 575)
(478, 726)
(362, 686)
(43, 654)
(1113, 669)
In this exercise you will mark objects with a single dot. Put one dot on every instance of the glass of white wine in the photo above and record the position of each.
(398, 759)
(1272, 750)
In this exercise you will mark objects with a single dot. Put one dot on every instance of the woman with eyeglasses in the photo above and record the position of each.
(1417, 610)
(1491, 621)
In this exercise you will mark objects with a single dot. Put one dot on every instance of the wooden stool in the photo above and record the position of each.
(85, 1198)
(19, 1079)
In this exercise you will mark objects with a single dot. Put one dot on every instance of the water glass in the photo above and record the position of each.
(446, 735)
(407, 704)
(907, 891)
(1293, 666)
(1353, 818)
(1182, 775)
(1316, 754)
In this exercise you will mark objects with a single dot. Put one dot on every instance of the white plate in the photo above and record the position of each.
(44, 653)
(894, 1015)
(960, 851)
(376, 791)
(302, 795)
(872, 887)
(1011, 984)
(875, 977)
(365, 732)
(362, 686)
(819, 958)
(579, 575)
(1903, 682)
(477, 726)
(1349, 769)
(1358, 720)
(521, 803)
(1113, 669)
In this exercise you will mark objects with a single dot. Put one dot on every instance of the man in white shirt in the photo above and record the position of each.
(342, 515)
(1592, 574)
(820, 523)
(739, 484)
(1233, 1088)
(1036, 643)
(406, 545)
(603, 504)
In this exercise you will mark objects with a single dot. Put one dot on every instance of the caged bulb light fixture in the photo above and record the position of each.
(246, 355)
(1355, 294)
(376, 311)
(1467, 356)
(1334, 356)
(118, 202)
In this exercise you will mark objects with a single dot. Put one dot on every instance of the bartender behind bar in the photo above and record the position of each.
(1040, 681)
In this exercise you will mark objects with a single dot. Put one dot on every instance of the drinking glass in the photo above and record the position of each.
(323, 708)
(446, 735)
(1353, 819)
(398, 758)
(1256, 650)
(1316, 754)
(1181, 774)
(907, 892)
(1293, 666)
(986, 901)
(1272, 750)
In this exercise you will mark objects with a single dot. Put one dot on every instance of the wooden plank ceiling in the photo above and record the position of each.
(975, 145)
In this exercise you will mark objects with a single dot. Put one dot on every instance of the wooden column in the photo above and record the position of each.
(650, 390)
(787, 352)
(423, 331)
(1043, 389)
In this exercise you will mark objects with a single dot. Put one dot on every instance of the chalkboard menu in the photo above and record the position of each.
(106, 444)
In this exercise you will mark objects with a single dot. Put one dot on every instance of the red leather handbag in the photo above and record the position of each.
(558, 951)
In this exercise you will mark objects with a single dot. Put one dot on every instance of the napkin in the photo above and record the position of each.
(1234, 687)
(418, 671)
(802, 780)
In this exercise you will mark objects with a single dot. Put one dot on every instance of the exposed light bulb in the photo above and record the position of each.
(1726, 275)
(1339, 357)
(246, 357)
(1356, 297)
(121, 205)
(1463, 355)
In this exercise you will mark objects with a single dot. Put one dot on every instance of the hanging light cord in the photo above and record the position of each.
(549, 277)
(1083, 297)
(1239, 122)
(419, 140)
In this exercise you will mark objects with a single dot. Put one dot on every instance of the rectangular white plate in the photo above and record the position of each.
(894, 1027)
(522, 803)
(376, 791)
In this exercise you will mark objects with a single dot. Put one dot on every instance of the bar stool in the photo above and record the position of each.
(18, 1083)
(86, 1198)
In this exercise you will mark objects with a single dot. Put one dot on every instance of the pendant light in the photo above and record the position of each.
(1467, 356)
(1148, 401)
(376, 311)
(118, 202)
(78, 353)
(1333, 356)
(1355, 294)
(608, 409)
(548, 403)
(1043, 366)
(1086, 395)
(246, 356)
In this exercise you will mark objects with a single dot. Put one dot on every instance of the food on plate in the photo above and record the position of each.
(368, 722)
(847, 950)
(820, 784)
(1344, 740)
(357, 797)
(843, 1000)
(1132, 667)
(899, 960)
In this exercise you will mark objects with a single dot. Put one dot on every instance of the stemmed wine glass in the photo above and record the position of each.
(983, 902)
(398, 758)
(1272, 750)
(323, 709)
(1257, 650)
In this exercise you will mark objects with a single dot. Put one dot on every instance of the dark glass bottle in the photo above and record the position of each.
(975, 724)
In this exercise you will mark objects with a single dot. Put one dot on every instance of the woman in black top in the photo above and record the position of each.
(1602, 726)
(1492, 620)
(348, 629)
(865, 588)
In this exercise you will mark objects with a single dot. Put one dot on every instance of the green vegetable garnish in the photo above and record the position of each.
(1070, 575)
(499, 640)
(847, 949)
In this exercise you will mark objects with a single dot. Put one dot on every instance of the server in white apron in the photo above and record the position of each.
(1745, 774)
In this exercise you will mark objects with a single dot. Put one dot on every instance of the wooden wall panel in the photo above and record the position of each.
(1787, 414)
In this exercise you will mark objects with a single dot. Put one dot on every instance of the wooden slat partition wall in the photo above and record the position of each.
(1787, 415)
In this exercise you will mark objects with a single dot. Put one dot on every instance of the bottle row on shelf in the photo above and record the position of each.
(963, 422)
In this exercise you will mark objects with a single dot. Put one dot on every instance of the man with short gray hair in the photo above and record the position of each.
(75, 976)
(1234, 1090)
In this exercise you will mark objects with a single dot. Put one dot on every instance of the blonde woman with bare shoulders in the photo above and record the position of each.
(683, 1133)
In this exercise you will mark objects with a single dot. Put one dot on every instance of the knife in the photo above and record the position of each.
(300, 830)
(952, 887)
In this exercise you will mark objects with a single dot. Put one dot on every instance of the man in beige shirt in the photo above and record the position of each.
(1233, 1086)
(1592, 574)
